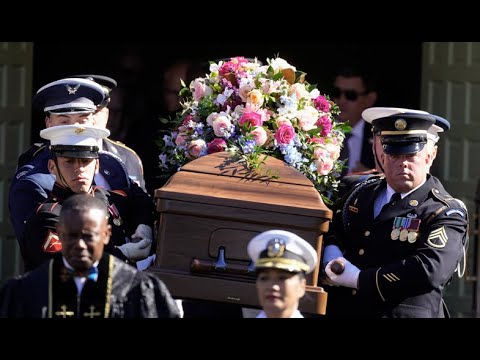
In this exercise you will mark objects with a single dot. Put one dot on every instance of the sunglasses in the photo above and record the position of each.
(350, 95)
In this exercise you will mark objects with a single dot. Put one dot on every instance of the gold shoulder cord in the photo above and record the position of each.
(50, 283)
(109, 287)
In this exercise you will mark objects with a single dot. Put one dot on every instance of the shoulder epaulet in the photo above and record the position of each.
(447, 199)
(41, 147)
(454, 206)
(28, 155)
(118, 143)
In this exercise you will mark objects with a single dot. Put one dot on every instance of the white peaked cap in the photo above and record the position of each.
(283, 250)
(78, 135)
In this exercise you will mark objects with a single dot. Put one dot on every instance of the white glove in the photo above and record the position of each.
(349, 277)
(142, 232)
(136, 250)
(329, 253)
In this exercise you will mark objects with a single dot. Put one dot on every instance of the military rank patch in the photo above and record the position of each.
(405, 228)
(353, 209)
(52, 243)
(438, 238)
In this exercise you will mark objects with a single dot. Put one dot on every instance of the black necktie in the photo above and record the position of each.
(395, 197)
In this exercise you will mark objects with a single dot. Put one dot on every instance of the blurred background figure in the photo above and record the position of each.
(355, 90)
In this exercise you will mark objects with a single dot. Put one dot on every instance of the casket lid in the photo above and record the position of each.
(218, 179)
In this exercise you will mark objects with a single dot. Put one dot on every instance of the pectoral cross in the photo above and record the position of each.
(92, 313)
(64, 313)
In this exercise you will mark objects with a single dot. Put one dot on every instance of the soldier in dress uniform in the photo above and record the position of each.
(400, 236)
(83, 281)
(441, 125)
(73, 162)
(281, 261)
(130, 158)
(66, 101)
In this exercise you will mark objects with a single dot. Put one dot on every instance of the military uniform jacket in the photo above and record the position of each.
(40, 242)
(32, 183)
(132, 161)
(120, 291)
(406, 255)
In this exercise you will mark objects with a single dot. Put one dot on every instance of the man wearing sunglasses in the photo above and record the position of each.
(354, 91)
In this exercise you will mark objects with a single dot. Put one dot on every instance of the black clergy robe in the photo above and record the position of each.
(121, 291)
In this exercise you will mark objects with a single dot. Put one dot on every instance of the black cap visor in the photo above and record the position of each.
(77, 151)
(395, 145)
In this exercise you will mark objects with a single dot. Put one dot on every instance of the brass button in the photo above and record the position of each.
(367, 233)
(361, 252)
(354, 292)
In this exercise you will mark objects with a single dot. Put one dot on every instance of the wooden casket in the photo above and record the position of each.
(210, 210)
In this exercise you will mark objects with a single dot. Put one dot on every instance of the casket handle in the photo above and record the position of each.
(209, 266)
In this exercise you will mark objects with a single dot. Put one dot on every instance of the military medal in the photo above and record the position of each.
(117, 220)
(412, 237)
(395, 234)
(403, 234)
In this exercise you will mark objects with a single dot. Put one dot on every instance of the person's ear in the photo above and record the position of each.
(97, 166)
(52, 167)
(372, 97)
(48, 121)
(302, 287)
(434, 152)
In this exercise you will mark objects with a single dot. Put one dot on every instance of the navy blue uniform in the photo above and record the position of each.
(407, 255)
(40, 239)
(33, 182)
(132, 161)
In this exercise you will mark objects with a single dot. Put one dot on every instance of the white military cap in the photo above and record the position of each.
(440, 124)
(283, 250)
(69, 96)
(77, 141)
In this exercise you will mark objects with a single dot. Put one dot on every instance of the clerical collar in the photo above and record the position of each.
(70, 267)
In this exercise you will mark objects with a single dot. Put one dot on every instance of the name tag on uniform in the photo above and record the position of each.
(353, 209)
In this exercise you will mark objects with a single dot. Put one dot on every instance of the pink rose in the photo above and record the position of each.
(200, 90)
(197, 148)
(221, 125)
(320, 153)
(284, 134)
(324, 166)
(180, 140)
(259, 135)
(253, 118)
(216, 145)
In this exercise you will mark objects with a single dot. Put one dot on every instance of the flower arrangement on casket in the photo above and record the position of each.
(253, 110)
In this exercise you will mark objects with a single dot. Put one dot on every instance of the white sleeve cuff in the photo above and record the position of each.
(331, 252)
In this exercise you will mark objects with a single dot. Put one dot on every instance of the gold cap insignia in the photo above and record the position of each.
(400, 124)
(80, 130)
(276, 248)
